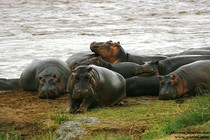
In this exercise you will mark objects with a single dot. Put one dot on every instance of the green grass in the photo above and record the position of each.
(59, 118)
(145, 120)
(7, 136)
(195, 113)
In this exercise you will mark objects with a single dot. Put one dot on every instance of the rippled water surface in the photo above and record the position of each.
(31, 29)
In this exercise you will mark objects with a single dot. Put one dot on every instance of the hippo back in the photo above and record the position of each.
(112, 85)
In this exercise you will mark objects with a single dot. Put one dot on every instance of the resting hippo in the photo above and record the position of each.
(142, 85)
(114, 53)
(168, 65)
(9, 84)
(92, 85)
(74, 60)
(126, 69)
(192, 78)
(193, 51)
(48, 76)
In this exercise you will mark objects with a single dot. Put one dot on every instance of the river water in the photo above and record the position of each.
(31, 29)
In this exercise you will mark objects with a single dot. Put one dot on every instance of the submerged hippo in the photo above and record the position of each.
(168, 65)
(192, 78)
(75, 60)
(91, 86)
(48, 76)
(114, 53)
(126, 69)
(9, 84)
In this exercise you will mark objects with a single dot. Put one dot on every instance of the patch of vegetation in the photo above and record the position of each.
(7, 136)
(195, 113)
(139, 118)
(59, 118)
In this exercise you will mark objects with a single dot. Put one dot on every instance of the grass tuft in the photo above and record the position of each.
(59, 118)
(197, 113)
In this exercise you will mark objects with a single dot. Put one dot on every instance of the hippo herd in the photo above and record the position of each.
(107, 74)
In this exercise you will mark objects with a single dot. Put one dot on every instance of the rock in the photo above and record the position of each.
(70, 130)
(88, 120)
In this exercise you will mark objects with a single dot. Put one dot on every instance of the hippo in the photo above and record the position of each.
(193, 51)
(91, 85)
(142, 85)
(74, 60)
(126, 69)
(168, 65)
(9, 84)
(189, 79)
(48, 77)
(114, 53)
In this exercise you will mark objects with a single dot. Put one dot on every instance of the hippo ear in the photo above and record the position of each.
(89, 69)
(141, 62)
(156, 62)
(160, 78)
(39, 77)
(118, 42)
(173, 77)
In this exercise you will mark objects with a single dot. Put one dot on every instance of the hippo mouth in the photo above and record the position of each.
(167, 96)
(82, 93)
(48, 94)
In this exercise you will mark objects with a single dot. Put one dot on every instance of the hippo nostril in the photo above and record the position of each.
(82, 90)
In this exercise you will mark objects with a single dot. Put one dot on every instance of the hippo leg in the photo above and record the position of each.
(73, 105)
(84, 105)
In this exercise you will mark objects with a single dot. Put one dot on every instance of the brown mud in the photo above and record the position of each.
(23, 113)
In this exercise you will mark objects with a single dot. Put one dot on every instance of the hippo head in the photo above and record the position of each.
(148, 69)
(83, 82)
(171, 87)
(50, 86)
(109, 51)
(93, 60)
(98, 61)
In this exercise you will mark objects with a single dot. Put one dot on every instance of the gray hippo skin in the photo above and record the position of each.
(75, 60)
(193, 51)
(142, 86)
(168, 65)
(191, 79)
(91, 86)
(48, 77)
(114, 53)
(9, 84)
(126, 69)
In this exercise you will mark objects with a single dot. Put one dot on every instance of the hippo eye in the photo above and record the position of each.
(40, 78)
(162, 83)
(42, 81)
(54, 76)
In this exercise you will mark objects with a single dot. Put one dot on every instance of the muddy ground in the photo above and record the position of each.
(23, 113)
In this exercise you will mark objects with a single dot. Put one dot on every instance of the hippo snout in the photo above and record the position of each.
(166, 96)
(94, 45)
(48, 93)
(81, 93)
